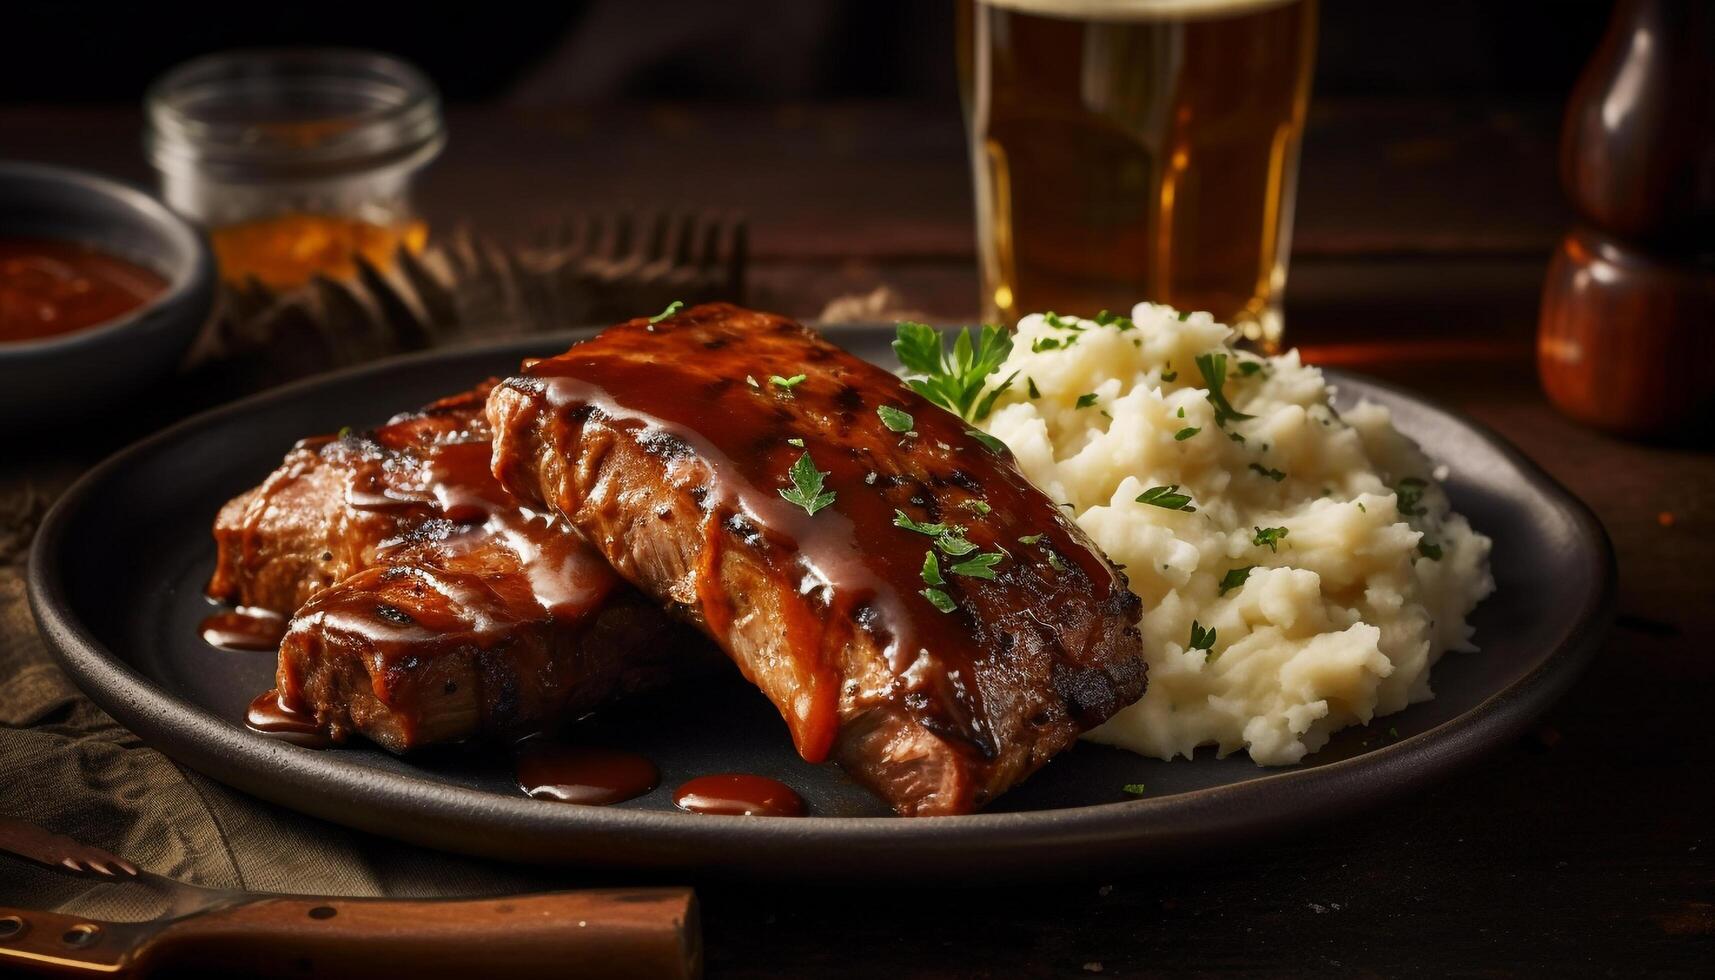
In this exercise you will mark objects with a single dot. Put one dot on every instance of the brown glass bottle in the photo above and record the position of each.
(1627, 331)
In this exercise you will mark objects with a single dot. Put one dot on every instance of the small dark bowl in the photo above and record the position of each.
(75, 373)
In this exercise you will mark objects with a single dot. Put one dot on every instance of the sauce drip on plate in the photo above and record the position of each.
(244, 628)
(276, 718)
(49, 288)
(582, 774)
(738, 795)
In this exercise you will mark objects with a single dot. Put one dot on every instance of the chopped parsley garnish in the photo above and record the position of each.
(344, 432)
(895, 419)
(806, 489)
(1054, 561)
(1168, 497)
(1132, 789)
(1186, 433)
(1086, 400)
(671, 309)
(940, 600)
(1041, 344)
(1269, 536)
(1271, 473)
(795, 442)
(1236, 438)
(1235, 578)
(989, 442)
(979, 566)
(1410, 494)
(1213, 367)
(954, 380)
(1184, 315)
(786, 383)
(902, 519)
(1170, 375)
(1201, 639)
(932, 569)
(1030, 386)
(955, 545)
(1059, 322)
(1429, 550)
(1106, 319)
(980, 506)
(1248, 368)
(1029, 538)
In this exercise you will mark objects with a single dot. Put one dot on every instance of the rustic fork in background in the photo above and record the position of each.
(586, 268)
(639, 932)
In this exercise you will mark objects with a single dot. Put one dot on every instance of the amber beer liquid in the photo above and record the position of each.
(1136, 149)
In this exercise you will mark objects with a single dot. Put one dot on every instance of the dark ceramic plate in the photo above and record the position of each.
(117, 572)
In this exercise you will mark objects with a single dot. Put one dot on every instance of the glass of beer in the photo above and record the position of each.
(1136, 149)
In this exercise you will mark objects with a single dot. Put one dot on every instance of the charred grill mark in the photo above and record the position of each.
(848, 398)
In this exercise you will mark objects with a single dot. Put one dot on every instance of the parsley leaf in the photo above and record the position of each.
(1168, 497)
(671, 309)
(1030, 386)
(1086, 400)
(1169, 376)
(1271, 473)
(806, 489)
(902, 519)
(1213, 367)
(989, 442)
(1201, 639)
(787, 383)
(1269, 536)
(1107, 319)
(1132, 789)
(979, 566)
(980, 506)
(1235, 578)
(955, 545)
(940, 600)
(954, 379)
(1029, 538)
(795, 442)
(1410, 494)
(1428, 550)
(895, 419)
(932, 569)
(1186, 433)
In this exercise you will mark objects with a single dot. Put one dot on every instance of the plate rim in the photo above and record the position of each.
(392, 804)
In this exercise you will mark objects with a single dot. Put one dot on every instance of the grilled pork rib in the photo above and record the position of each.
(434, 607)
(659, 444)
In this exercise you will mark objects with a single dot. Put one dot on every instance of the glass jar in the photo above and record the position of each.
(297, 162)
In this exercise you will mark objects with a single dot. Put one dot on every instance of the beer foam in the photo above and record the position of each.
(1112, 10)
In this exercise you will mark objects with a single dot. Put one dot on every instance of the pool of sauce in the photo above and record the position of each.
(586, 775)
(243, 628)
(738, 795)
(49, 288)
(270, 715)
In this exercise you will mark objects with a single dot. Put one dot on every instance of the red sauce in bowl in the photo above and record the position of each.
(48, 288)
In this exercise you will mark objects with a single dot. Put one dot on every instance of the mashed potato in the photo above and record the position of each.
(1300, 569)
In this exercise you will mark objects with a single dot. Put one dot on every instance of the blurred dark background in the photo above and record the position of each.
(598, 51)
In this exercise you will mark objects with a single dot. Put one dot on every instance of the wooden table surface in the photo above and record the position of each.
(1423, 233)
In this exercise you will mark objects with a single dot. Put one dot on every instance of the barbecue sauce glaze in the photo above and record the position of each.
(702, 393)
(270, 715)
(243, 628)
